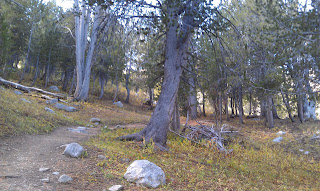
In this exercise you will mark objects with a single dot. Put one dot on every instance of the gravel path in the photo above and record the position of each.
(22, 156)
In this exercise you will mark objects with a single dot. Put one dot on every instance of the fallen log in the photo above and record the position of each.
(29, 89)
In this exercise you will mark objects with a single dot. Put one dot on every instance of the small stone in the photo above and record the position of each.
(277, 140)
(118, 103)
(90, 126)
(306, 153)
(95, 120)
(45, 180)
(56, 173)
(17, 92)
(73, 150)
(54, 88)
(96, 123)
(64, 178)
(44, 169)
(52, 101)
(301, 150)
(25, 100)
(116, 188)
(281, 133)
(314, 137)
(65, 107)
(49, 110)
(118, 127)
(102, 157)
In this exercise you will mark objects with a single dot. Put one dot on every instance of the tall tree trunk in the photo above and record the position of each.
(274, 111)
(74, 75)
(48, 69)
(285, 100)
(84, 64)
(269, 115)
(36, 71)
(127, 83)
(240, 105)
(203, 104)
(117, 88)
(175, 59)
(250, 102)
(26, 62)
(192, 97)
(102, 81)
(226, 107)
(176, 118)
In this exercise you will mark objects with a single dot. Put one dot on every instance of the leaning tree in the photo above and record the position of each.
(180, 18)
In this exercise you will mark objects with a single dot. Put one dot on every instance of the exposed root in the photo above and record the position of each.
(131, 137)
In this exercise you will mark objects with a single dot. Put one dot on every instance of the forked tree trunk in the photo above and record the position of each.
(175, 52)
(84, 60)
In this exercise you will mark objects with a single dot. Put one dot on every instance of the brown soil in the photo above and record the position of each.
(22, 156)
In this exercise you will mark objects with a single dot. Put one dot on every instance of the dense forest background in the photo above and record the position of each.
(253, 58)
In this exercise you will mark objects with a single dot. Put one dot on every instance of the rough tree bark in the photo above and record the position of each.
(127, 83)
(240, 105)
(175, 59)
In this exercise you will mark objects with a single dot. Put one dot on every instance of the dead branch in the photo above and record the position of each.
(202, 132)
(28, 89)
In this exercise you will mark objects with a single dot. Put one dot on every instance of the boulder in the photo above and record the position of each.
(54, 88)
(25, 100)
(116, 188)
(65, 107)
(73, 150)
(17, 92)
(52, 101)
(145, 173)
(95, 120)
(64, 178)
(118, 103)
(49, 110)
(277, 140)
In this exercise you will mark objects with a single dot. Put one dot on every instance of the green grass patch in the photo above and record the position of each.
(18, 117)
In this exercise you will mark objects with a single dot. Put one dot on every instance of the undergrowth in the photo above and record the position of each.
(251, 166)
(19, 117)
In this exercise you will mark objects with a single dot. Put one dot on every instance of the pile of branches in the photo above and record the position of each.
(213, 136)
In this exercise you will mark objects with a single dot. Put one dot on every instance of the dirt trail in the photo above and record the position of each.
(22, 156)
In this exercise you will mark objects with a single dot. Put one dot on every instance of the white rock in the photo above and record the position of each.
(44, 169)
(301, 150)
(116, 188)
(277, 140)
(49, 110)
(73, 150)
(306, 153)
(56, 173)
(46, 180)
(118, 103)
(145, 173)
(95, 120)
(281, 133)
(64, 178)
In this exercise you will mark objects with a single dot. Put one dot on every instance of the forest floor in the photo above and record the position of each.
(31, 138)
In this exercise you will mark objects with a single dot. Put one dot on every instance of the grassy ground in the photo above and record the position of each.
(19, 117)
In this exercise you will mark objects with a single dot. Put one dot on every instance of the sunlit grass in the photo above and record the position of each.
(193, 167)
(19, 117)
